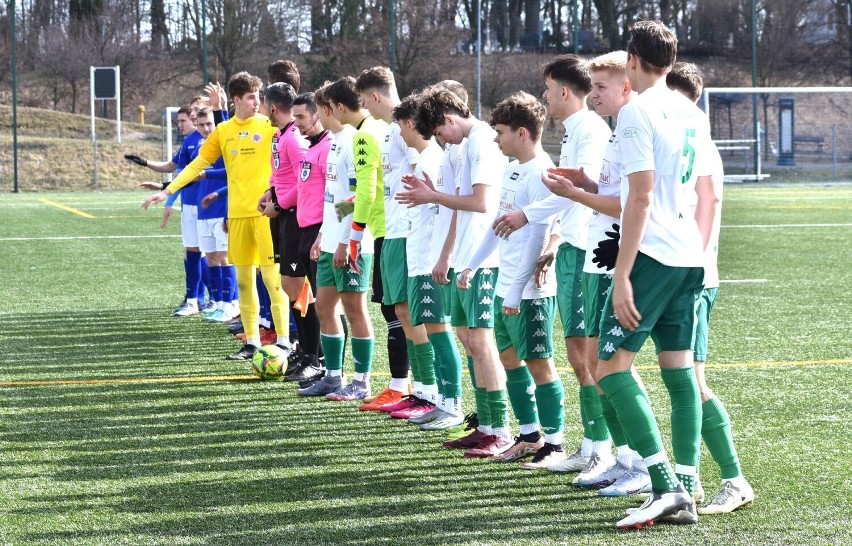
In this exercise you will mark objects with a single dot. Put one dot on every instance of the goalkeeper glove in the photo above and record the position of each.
(355, 246)
(607, 251)
(141, 161)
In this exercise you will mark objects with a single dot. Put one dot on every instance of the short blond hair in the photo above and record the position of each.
(614, 62)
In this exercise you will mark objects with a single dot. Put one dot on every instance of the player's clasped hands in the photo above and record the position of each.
(418, 191)
(563, 181)
(463, 279)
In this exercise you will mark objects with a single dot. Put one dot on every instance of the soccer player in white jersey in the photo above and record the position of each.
(611, 90)
(443, 114)
(336, 281)
(715, 422)
(430, 277)
(659, 271)
(568, 85)
(379, 94)
(524, 308)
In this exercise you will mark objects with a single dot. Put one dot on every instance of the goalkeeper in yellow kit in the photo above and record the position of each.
(245, 144)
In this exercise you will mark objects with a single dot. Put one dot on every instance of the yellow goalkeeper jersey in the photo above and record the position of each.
(246, 148)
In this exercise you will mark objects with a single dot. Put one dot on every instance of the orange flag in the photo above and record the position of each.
(306, 297)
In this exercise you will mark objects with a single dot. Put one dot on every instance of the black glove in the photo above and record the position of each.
(607, 251)
(141, 161)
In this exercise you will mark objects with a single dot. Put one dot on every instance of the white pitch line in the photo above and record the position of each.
(89, 237)
(743, 280)
(783, 225)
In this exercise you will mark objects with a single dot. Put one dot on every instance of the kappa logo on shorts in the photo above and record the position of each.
(539, 317)
(580, 311)
(539, 348)
(486, 271)
(427, 299)
(487, 286)
(582, 325)
(537, 302)
(427, 314)
(539, 333)
(616, 331)
(353, 282)
(485, 316)
(609, 348)
(426, 286)
(486, 301)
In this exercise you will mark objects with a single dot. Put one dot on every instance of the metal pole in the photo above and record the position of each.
(204, 39)
(575, 31)
(754, 78)
(118, 104)
(14, 98)
(393, 37)
(478, 58)
(94, 132)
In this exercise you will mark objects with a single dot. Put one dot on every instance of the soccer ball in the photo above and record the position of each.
(269, 362)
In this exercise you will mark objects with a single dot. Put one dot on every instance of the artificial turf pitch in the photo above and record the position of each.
(121, 424)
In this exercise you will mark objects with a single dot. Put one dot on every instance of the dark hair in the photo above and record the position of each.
(654, 44)
(379, 78)
(520, 110)
(345, 92)
(284, 71)
(456, 88)
(686, 78)
(204, 112)
(572, 72)
(407, 109)
(308, 100)
(321, 94)
(435, 103)
(281, 95)
(185, 110)
(242, 83)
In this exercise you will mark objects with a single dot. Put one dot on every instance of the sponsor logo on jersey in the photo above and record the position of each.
(387, 137)
(329, 198)
(565, 138)
(630, 132)
(256, 138)
(507, 200)
(386, 164)
(616, 331)
(387, 192)
(333, 147)
(243, 134)
(276, 162)
(306, 171)
(514, 176)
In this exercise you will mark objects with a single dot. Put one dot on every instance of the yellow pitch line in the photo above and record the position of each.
(65, 207)
(214, 378)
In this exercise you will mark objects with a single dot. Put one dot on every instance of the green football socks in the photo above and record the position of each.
(594, 425)
(521, 390)
(716, 432)
(448, 365)
(362, 353)
(332, 348)
(685, 421)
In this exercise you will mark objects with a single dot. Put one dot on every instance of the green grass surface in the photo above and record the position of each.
(145, 458)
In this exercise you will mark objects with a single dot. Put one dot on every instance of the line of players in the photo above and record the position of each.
(424, 194)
